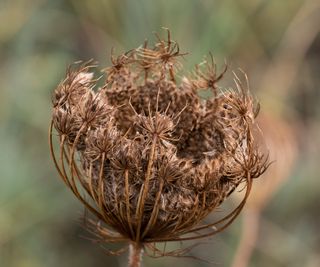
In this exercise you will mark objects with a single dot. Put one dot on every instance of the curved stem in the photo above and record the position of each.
(135, 255)
(250, 228)
(144, 190)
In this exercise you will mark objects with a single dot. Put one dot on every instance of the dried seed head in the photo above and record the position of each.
(152, 156)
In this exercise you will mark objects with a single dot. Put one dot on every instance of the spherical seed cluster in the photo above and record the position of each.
(152, 156)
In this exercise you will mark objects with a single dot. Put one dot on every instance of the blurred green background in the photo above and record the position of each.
(276, 42)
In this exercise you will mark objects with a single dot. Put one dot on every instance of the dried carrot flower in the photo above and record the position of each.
(152, 158)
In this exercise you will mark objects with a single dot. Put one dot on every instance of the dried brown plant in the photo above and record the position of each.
(146, 155)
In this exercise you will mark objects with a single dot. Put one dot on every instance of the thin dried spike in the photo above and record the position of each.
(153, 248)
(163, 228)
(62, 154)
(155, 211)
(122, 215)
(103, 233)
(112, 59)
(127, 197)
(78, 173)
(238, 83)
(213, 66)
(84, 66)
(223, 72)
(116, 203)
(121, 211)
(180, 223)
(132, 108)
(170, 139)
(145, 76)
(199, 72)
(101, 200)
(73, 183)
(168, 34)
(148, 54)
(204, 200)
(231, 215)
(71, 158)
(180, 112)
(150, 115)
(64, 176)
(145, 188)
(100, 239)
(54, 156)
(255, 115)
(178, 253)
(92, 193)
(116, 252)
(87, 205)
(106, 232)
(145, 43)
(171, 72)
(157, 100)
(167, 108)
(138, 213)
(158, 37)
(246, 78)
(182, 226)
(97, 197)
(230, 218)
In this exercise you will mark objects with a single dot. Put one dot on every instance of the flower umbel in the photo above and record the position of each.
(146, 155)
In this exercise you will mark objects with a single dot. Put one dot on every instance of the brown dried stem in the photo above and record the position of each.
(135, 255)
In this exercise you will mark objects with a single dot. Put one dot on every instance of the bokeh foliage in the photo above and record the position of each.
(276, 42)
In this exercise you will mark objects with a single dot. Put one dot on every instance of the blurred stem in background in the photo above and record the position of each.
(282, 143)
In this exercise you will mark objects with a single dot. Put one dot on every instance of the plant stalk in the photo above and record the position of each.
(135, 255)
(250, 229)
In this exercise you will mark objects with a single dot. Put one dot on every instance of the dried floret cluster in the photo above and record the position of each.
(152, 158)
